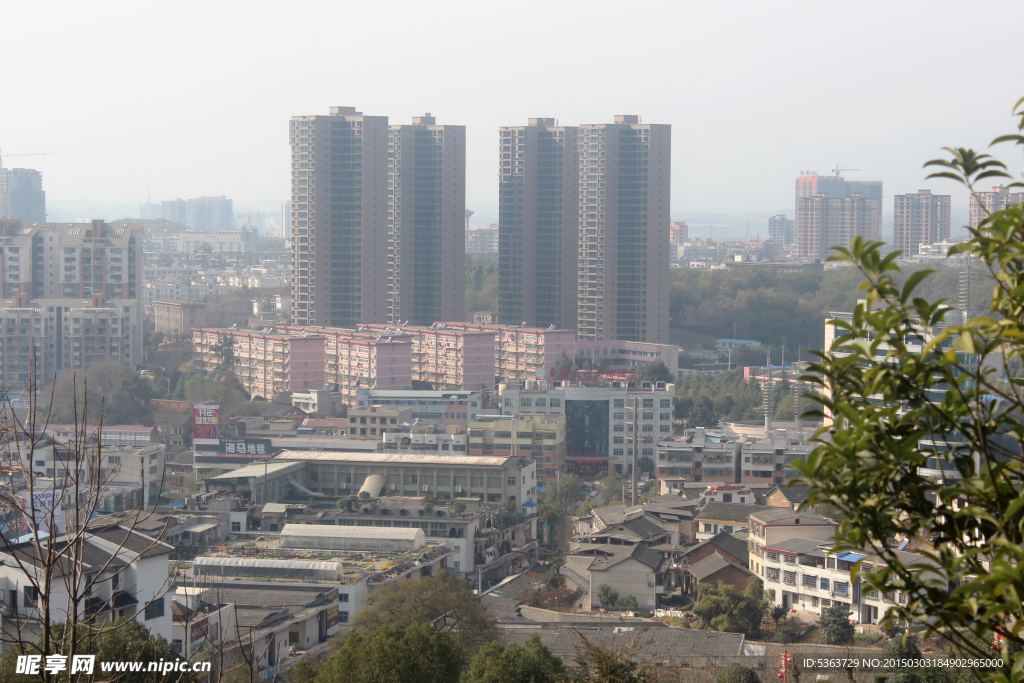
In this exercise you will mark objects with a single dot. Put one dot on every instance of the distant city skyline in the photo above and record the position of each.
(745, 119)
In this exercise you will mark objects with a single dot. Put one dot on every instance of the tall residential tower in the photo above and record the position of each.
(624, 230)
(426, 223)
(538, 213)
(22, 195)
(921, 218)
(339, 218)
(830, 212)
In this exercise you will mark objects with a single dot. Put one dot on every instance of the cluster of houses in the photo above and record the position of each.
(662, 551)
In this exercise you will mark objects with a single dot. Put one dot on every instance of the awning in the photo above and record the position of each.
(850, 557)
(529, 504)
(199, 528)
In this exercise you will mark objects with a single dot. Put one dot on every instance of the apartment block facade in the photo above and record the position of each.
(177, 318)
(599, 419)
(538, 195)
(920, 219)
(70, 292)
(66, 334)
(426, 222)
(997, 199)
(541, 437)
(621, 355)
(700, 456)
(356, 360)
(22, 195)
(339, 178)
(448, 356)
(623, 281)
(201, 213)
(782, 229)
(831, 211)
(265, 363)
(448, 408)
(521, 352)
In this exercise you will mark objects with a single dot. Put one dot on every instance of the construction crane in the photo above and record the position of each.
(28, 154)
(838, 170)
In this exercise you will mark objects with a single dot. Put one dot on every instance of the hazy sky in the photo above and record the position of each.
(186, 99)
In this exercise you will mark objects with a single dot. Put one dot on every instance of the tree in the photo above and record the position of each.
(646, 465)
(776, 613)
(458, 508)
(621, 663)
(834, 627)
(123, 641)
(607, 596)
(944, 400)
(567, 491)
(120, 390)
(532, 663)
(737, 673)
(609, 488)
(562, 363)
(655, 372)
(443, 602)
(395, 654)
(507, 514)
(626, 602)
(725, 608)
(900, 648)
(703, 413)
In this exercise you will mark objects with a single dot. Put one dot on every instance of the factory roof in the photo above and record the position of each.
(396, 458)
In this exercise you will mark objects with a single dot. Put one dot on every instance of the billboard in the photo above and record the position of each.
(332, 616)
(244, 446)
(206, 422)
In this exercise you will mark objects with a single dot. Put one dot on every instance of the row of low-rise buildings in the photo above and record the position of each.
(444, 355)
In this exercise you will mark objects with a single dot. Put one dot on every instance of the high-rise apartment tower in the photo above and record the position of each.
(538, 224)
(921, 218)
(782, 229)
(426, 222)
(339, 218)
(985, 203)
(624, 230)
(22, 195)
(830, 212)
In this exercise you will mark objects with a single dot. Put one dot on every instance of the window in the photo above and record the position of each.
(155, 609)
(772, 573)
(648, 403)
(542, 402)
(343, 617)
(666, 403)
(31, 595)
(526, 402)
(236, 527)
(342, 597)
(814, 601)
(871, 593)
(511, 481)
(114, 459)
(176, 644)
(620, 403)
(771, 556)
(824, 584)
(809, 581)
(903, 598)
(841, 587)
(508, 403)
(152, 470)
(789, 559)
(830, 562)
(457, 565)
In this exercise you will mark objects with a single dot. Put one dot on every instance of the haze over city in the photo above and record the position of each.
(196, 102)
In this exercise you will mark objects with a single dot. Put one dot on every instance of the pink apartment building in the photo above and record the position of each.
(265, 363)
(446, 355)
(520, 351)
(362, 360)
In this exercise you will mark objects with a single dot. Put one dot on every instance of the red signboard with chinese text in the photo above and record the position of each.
(206, 422)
